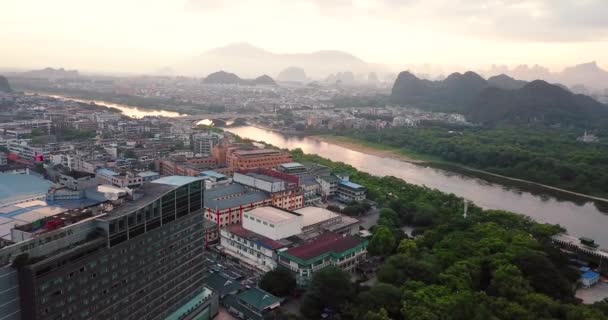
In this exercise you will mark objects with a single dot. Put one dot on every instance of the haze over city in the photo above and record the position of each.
(304, 159)
(145, 36)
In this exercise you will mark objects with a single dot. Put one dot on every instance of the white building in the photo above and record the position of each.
(273, 222)
(251, 248)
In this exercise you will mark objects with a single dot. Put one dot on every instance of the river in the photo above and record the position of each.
(133, 112)
(580, 219)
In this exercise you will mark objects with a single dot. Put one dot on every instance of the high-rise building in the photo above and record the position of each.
(140, 257)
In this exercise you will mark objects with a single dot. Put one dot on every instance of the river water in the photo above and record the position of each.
(129, 111)
(580, 219)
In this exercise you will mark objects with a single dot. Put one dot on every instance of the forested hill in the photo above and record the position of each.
(536, 102)
(500, 99)
(223, 77)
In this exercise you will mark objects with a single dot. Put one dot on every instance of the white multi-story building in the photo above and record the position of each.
(273, 222)
(250, 247)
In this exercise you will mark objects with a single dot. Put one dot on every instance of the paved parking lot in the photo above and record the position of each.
(594, 294)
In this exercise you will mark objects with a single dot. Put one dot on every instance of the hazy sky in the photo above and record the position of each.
(145, 35)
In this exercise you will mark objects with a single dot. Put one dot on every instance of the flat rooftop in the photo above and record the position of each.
(236, 201)
(292, 165)
(351, 185)
(273, 214)
(314, 215)
(176, 180)
(263, 177)
(25, 213)
(17, 187)
(256, 152)
(224, 191)
(211, 173)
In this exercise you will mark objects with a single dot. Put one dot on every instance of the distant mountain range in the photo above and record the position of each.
(223, 77)
(51, 73)
(248, 61)
(500, 99)
(4, 85)
(588, 74)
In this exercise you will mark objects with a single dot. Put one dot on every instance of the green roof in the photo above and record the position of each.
(191, 305)
(221, 284)
(258, 298)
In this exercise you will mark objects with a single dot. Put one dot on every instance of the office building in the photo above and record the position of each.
(132, 255)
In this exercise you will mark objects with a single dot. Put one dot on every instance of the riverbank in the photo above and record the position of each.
(371, 148)
(411, 157)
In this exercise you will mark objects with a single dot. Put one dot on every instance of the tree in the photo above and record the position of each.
(508, 282)
(382, 314)
(279, 282)
(407, 247)
(381, 296)
(399, 268)
(382, 242)
(329, 288)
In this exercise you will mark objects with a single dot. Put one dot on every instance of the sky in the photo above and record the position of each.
(146, 35)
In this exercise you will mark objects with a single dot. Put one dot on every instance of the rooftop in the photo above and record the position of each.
(351, 185)
(328, 242)
(259, 299)
(191, 305)
(29, 214)
(106, 172)
(16, 187)
(292, 165)
(221, 284)
(256, 152)
(224, 191)
(148, 174)
(211, 173)
(151, 191)
(254, 237)
(236, 201)
(330, 178)
(176, 180)
(273, 214)
(264, 177)
(314, 215)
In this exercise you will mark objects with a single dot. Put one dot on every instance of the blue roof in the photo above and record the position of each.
(351, 185)
(176, 180)
(590, 275)
(106, 172)
(14, 187)
(211, 173)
